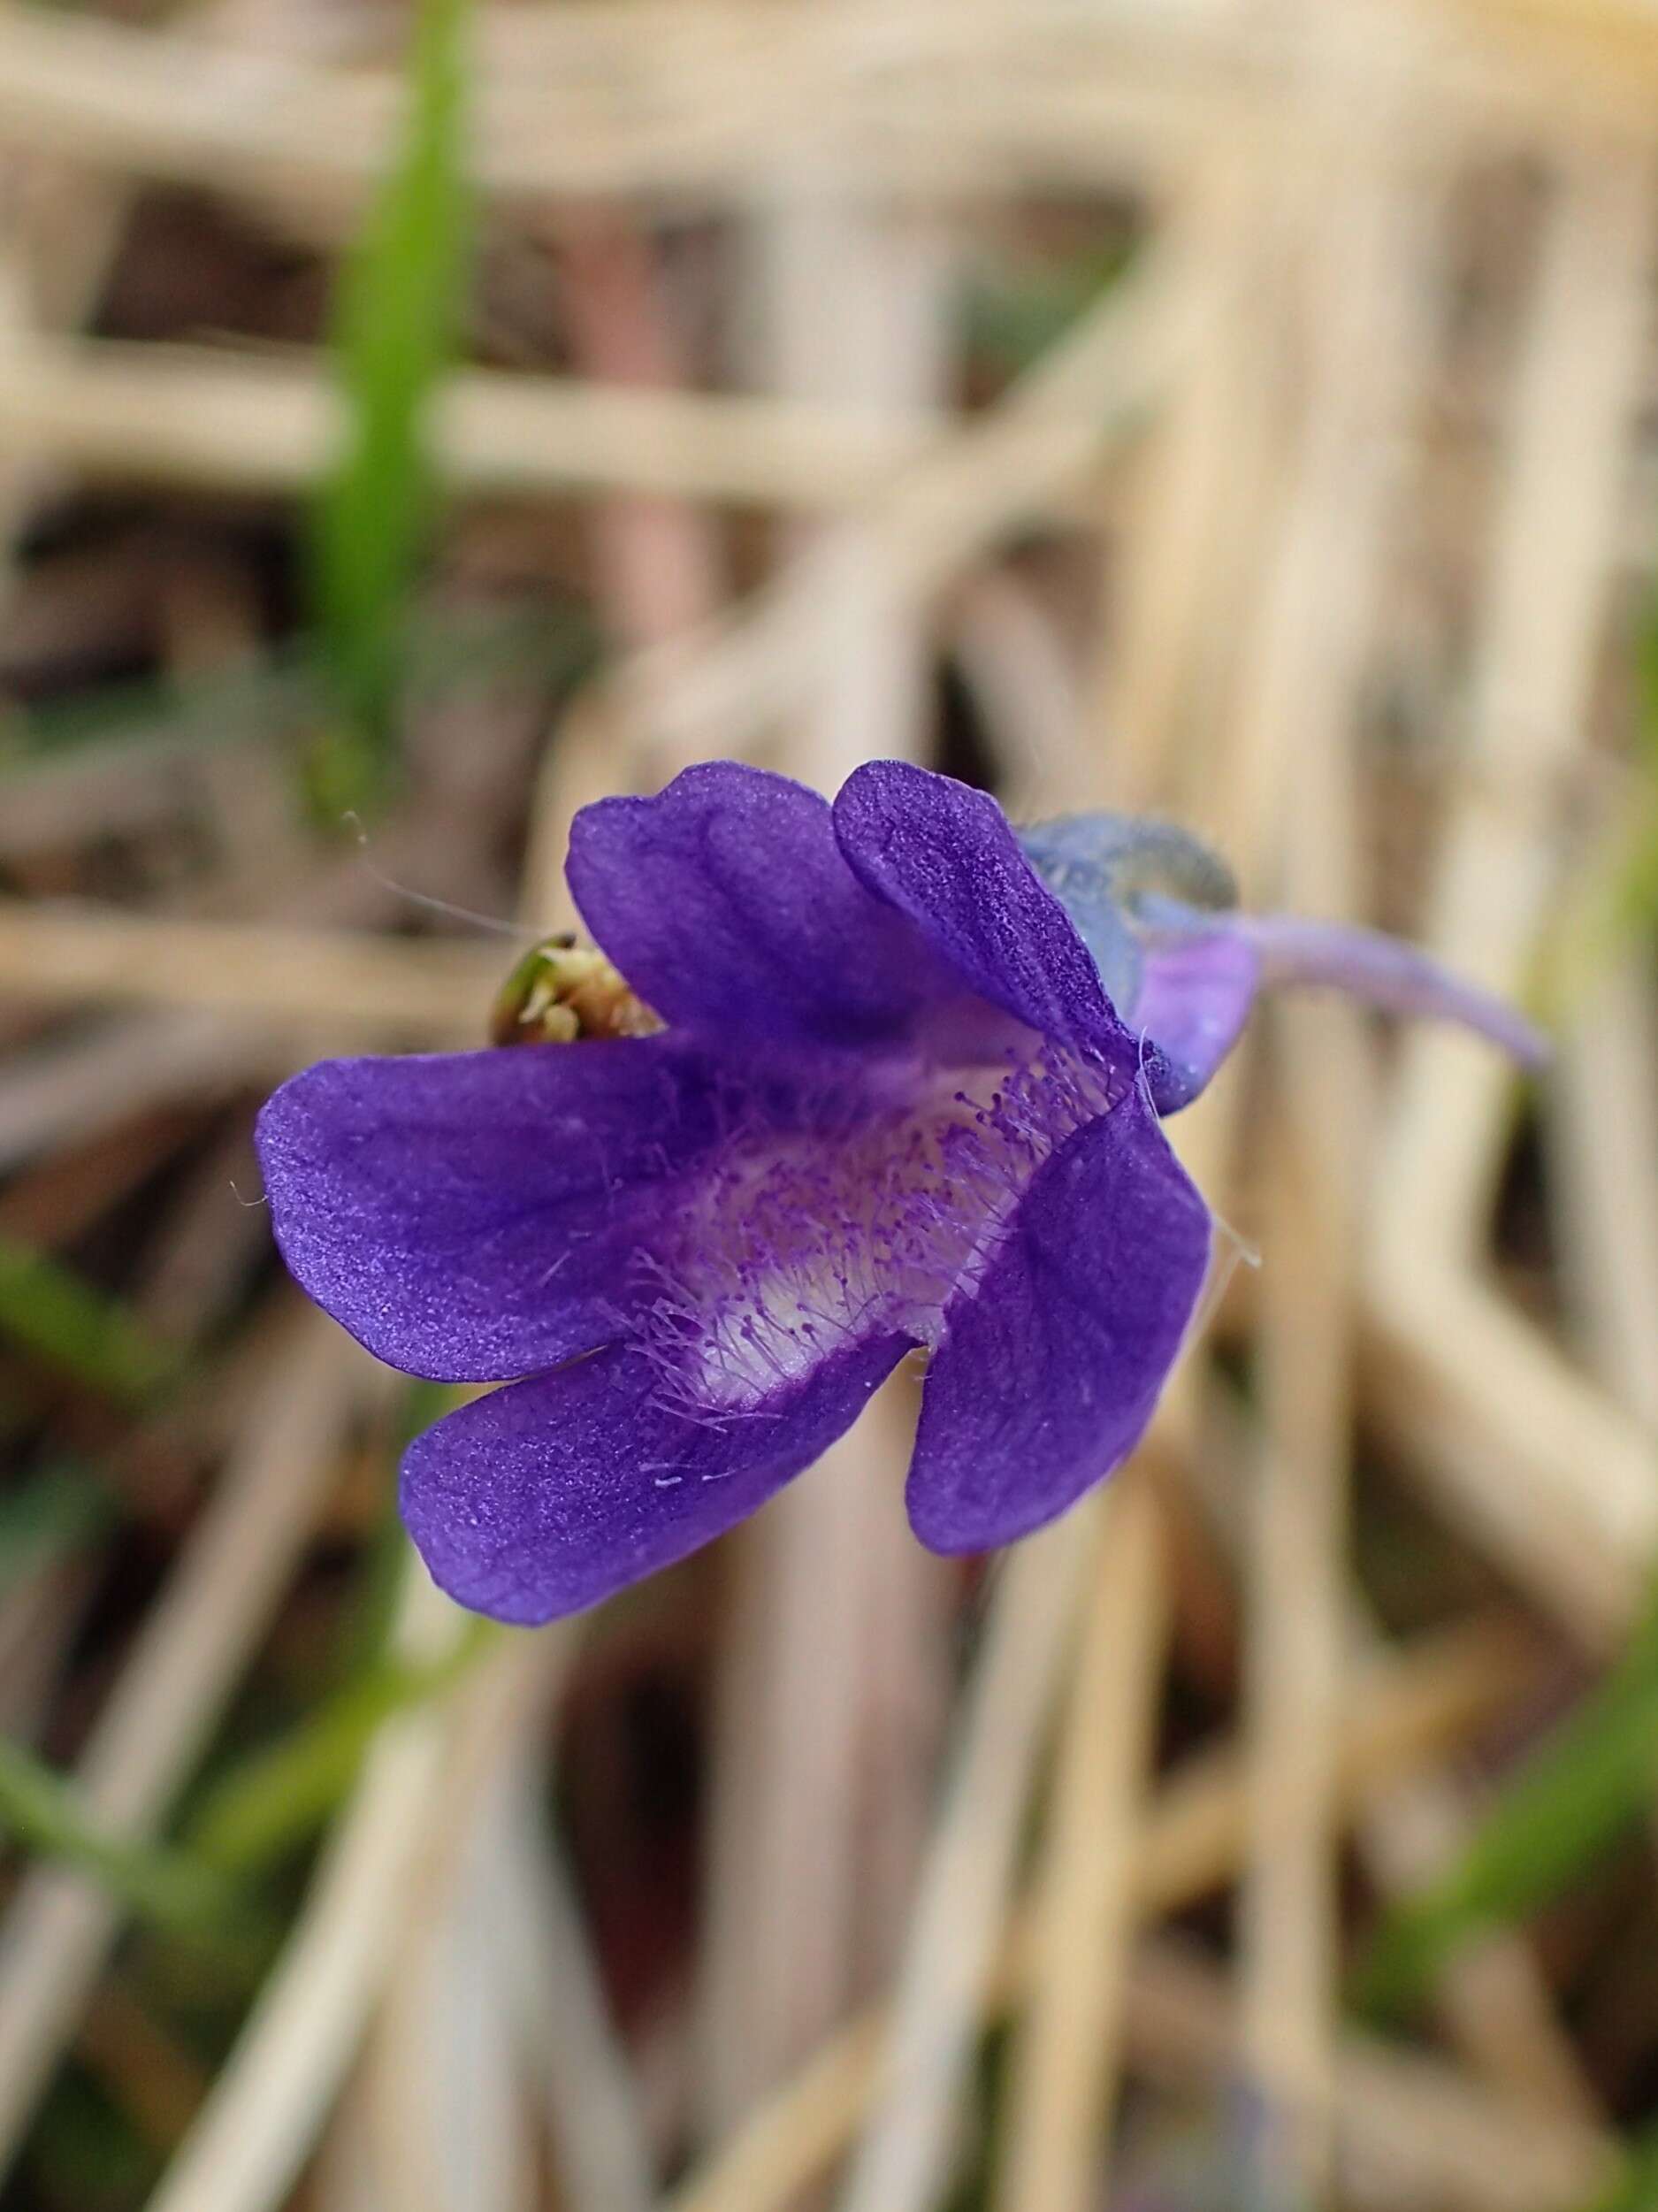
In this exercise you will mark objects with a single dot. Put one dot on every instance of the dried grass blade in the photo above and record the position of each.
(175, 1681)
(1066, 2060)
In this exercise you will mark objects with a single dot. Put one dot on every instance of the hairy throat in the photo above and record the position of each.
(860, 1224)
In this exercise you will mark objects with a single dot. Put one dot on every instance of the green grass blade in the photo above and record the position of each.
(51, 1312)
(48, 1519)
(396, 327)
(276, 1800)
(1636, 2188)
(268, 1803)
(171, 714)
(1575, 1795)
(43, 1813)
(1012, 319)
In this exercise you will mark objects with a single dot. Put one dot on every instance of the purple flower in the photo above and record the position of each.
(892, 1106)
(1158, 912)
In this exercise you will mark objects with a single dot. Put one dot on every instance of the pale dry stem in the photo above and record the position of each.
(202, 1630)
(1066, 2059)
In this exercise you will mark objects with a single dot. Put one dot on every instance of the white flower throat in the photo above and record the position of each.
(861, 1223)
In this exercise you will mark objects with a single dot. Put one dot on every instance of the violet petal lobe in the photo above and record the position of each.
(1194, 998)
(1051, 1363)
(471, 1216)
(946, 856)
(549, 1494)
(727, 904)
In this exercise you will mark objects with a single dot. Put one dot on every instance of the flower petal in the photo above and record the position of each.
(471, 1216)
(1098, 866)
(551, 1493)
(1194, 1000)
(1050, 1366)
(726, 903)
(946, 856)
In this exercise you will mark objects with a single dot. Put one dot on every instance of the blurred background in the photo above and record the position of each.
(416, 422)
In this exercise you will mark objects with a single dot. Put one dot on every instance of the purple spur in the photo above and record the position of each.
(906, 1095)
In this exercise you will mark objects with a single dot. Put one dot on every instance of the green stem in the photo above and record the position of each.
(270, 1804)
(45, 1815)
(1587, 1783)
(49, 1309)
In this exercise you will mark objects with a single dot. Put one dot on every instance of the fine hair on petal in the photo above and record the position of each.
(857, 1213)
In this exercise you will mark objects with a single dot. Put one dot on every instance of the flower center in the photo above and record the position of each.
(860, 1218)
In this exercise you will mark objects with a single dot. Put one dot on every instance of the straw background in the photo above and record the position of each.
(815, 1874)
